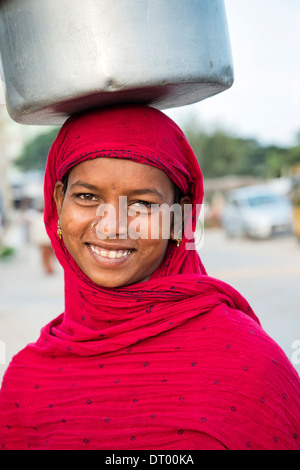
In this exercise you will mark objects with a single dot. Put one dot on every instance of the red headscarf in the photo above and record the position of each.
(140, 134)
(176, 362)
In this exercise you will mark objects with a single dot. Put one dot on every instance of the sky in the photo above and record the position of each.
(264, 101)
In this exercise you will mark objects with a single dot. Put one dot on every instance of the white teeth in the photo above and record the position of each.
(110, 254)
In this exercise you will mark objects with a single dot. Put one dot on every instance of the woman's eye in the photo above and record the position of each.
(87, 197)
(141, 204)
(139, 207)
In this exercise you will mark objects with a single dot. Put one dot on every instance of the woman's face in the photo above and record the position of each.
(107, 220)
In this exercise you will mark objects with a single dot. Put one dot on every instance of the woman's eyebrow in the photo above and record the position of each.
(136, 192)
(85, 185)
(147, 191)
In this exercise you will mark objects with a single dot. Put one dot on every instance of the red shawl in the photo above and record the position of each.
(177, 362)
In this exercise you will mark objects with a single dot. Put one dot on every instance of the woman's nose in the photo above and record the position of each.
(111, 220)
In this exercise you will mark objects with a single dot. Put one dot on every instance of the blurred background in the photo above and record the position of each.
(247, 141)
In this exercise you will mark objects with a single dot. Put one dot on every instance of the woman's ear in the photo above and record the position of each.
(177, 227)
(59, 195)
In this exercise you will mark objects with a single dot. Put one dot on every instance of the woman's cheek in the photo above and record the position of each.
(74, 221)
(137, 225)
(154, 225)
(148, 227)
(160, 225)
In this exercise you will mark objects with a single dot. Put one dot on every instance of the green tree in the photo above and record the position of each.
(293, 156)
(35, 152)
(276, 161)
(220, 153)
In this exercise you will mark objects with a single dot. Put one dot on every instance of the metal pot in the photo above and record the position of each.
(63, 56)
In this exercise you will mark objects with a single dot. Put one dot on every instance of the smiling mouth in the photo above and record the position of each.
(110, 254)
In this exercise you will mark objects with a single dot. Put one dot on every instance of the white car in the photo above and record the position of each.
(257, 212)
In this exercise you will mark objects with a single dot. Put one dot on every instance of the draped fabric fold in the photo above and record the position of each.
(177, 362)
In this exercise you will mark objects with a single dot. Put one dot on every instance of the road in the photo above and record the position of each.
(267, 273)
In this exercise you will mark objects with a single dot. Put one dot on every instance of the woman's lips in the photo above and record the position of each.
(111, 254)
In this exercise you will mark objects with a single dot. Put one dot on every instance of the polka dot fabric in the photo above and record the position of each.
(179, 362)
(159, 394)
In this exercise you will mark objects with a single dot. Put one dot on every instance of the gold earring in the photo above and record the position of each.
(59, 232)
(178, 241)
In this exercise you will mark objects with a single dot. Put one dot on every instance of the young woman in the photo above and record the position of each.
(150, 352)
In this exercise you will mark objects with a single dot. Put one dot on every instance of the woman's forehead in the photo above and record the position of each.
(120, 172)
